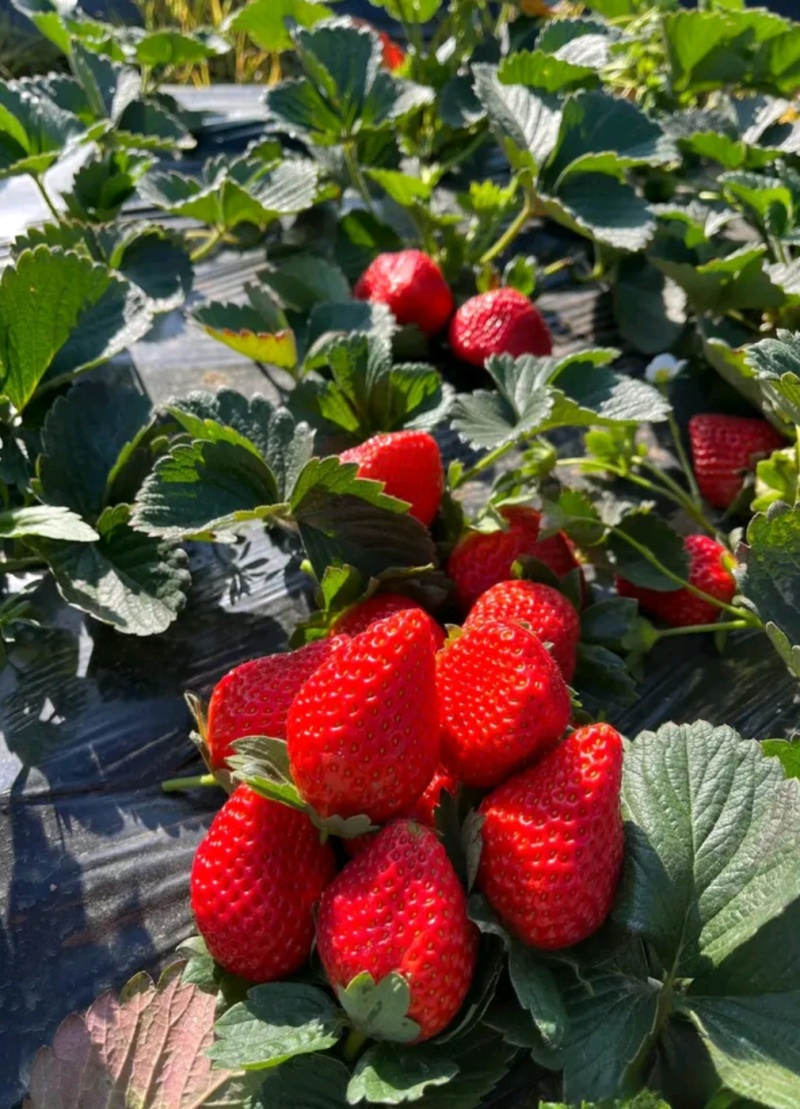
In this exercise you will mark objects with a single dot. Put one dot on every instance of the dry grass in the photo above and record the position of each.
(245, 63)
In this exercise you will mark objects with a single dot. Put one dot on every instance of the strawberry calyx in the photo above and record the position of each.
(215, 776)
(377, 1010)
(262, 763)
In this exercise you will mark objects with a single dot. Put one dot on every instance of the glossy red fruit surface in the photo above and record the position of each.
(363, 732)
(399, 907)
(724, 448)
(707, 571)
(254, 698)
(256, 878)
(409, 465)
(412, 286)
(553, 841)
(502, 701)
(480, 560)
(363, 614)
(502, 321)
(543, 609)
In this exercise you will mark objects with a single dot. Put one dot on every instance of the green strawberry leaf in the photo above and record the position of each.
(536, 69)
(538, 394)
(245, 330)
(787, 752)
(136, 584)
(642, 531)
(644, 1100)
(301, 281)
(345, 91)
(366, 392)
(277, 1022)
(207, 489)
(391, 1075)
(378, 1010)
(61, 314)
(483, 1059)
(709, 857)
(753, 1044)
(266, 22)
(303, 1084)
(34, 130)
(601, 133)
(525, 122)
(46, 522)
(345, 520)
(772, 564)
(538, 993)
(609, 622)
(603, 677)
(231, 192)
(611, 1005)
(650, 309)
(776, 366)
(410, 11)
(598, 206)
(84, 434)
(736, 282)
(285, 446)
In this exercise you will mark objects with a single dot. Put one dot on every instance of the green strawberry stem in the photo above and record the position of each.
(516, 226)
(356, 176)
(353, 1044)
(748, 618)
(193, 781)
(484, 463)
(691, 629)
(213, 240)
(683, 459)
(668, 488)
(47, 198)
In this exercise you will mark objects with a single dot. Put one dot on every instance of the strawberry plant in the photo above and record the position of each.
(457, 859)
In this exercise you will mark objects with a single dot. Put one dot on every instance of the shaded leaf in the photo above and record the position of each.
(151, 1037)
(277, 1022)
(391, 1075)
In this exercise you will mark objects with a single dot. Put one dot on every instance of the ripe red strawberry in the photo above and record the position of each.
(409, 465)
(726, 447)
(256, 877)
(393, 54)
(398, 907)
(480, 560)
(552, 841)
(679, 608)
(502, 701)
(363, 614)
(254, 698)
(412, 286)
(363, 732)
(423, 811)
(546, 612)
(502, 321)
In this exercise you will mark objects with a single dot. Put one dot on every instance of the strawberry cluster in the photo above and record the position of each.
(379, 720)
(501, 321)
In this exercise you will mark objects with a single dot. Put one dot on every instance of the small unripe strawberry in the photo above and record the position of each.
(409, 465)
(256, 878)
(254, 698)
(707, 571)
(399, 907)
(363, 732)
(543, 609)
(480, 560)
(724, 448)
(502, 321)
(502, 702)
(412, 286)
(552, 841)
